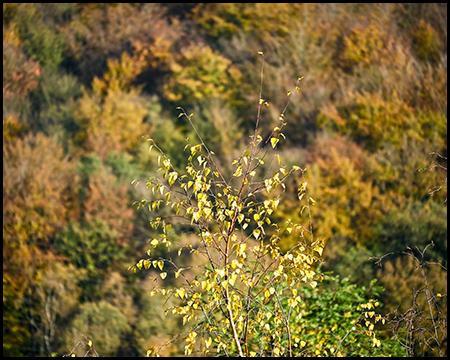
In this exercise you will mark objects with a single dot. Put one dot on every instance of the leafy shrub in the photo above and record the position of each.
(328, 324)
(91, 246)
(427, 42)
(199, 72)
(244, 297)
(101, 321)
(111, 115)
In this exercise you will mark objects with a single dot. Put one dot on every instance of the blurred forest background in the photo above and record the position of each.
(83, 83)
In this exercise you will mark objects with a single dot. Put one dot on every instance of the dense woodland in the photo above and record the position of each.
(84, 84)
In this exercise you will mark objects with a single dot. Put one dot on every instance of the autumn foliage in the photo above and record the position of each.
(263, 221)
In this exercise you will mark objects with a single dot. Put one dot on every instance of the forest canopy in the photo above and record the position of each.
(85, 85)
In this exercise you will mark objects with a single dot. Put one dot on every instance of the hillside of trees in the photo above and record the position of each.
(85, 85)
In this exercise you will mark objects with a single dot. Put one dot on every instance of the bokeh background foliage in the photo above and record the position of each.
(82, 83)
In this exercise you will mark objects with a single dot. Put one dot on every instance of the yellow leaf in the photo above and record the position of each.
(172, 177)
(233, 279)
(196, 215)
(207, 211)
(238, 172)
(242, 248)
(163, 275)
(274, 142)
(181, 293)
(90, 343)
(319, 249)
(161, 264)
